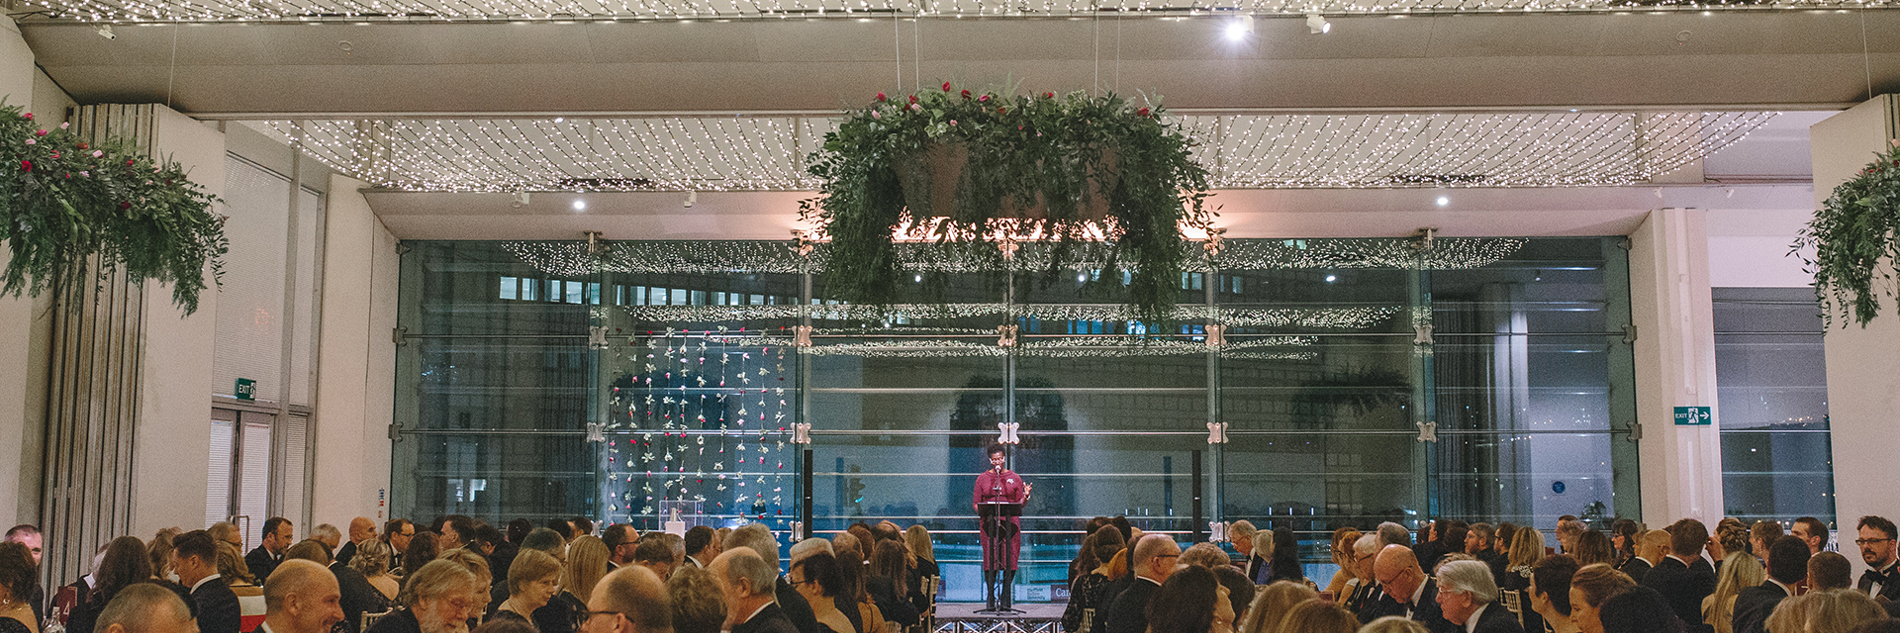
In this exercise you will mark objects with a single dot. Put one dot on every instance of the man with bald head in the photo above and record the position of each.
(361, 529)
(301, 597)
(1152, 563)
(630, 599)
(145, 608)
(749, 585)
(1416, 594)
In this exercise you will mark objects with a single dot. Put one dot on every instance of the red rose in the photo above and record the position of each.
(1048, 95)
(946, 86)
(28, 116)
(83, 146)
(1142, 112)
(125, 205)
(983, 99)
(880, 96)
(26, 165)
(1001, 110)
(913, 98)
(55, 155)
(966, 94)
(128, 162)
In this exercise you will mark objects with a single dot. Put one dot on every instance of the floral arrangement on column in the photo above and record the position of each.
(995, 171)
(71, 212)
(1852, 233)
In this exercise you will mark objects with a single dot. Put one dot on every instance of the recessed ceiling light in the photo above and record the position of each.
(1442, 201)
(580, 205)
(1332, 278)
(1239, 28)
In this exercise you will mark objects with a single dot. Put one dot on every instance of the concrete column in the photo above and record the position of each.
(1863, 363)
(173, 441)
(1671, 307)
(356, 363)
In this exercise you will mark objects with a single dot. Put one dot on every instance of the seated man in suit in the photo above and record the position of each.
(1399, 575)
(1682, 582)
(196, 563)
(1787, 566)
(301, 597)
(750, 587)
(145, 608)
(1467, 596)
(270, 551)
(1152, 563)
(633, 600)
(1651, 547)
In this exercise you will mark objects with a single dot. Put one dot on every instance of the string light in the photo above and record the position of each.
(761, 153)
(574, 10)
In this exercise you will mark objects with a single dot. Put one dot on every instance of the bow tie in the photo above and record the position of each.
(1877, 576)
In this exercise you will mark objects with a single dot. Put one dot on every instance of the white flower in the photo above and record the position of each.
(98, 153)
(63, 125)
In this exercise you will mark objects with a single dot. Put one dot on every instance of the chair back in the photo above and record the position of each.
(369, 619)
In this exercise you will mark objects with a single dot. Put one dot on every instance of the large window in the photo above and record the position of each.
(1771, 378)
(1358, 381)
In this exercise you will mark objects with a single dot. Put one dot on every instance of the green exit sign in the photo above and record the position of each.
(246, 389)
(1694, 416)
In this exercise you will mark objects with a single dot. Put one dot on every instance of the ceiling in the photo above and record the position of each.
(1724, 60)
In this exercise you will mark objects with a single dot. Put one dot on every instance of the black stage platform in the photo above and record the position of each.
(962, 617)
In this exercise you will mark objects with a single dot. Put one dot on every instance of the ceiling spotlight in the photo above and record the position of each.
(1332, 278)
(692, 198)
(559, 119)
(580, 205)
(1239, 28)
(521, 200)
(105, 31)
(1318, 24)
(1442, 201)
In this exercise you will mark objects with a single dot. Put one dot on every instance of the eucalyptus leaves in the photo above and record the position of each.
(991, 171)
(70, 212)
(1852, 232)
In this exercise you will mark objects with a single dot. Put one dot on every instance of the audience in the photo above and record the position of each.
(1466, 597)
(1192, 600)
(1087, 591)
(270, 551)
(1549, 595)
(1272, 604)
(1285, 563)
(1318, 617)
(1623, 536)
(1878, 550)
(630, 600)
(146, 608)
(1593, 547)
(888, 582)
(1740, 571)
(1393, 624)
(1590, 587)
(1651, 547)
(18, 579)
(371, 559)
(1682, 577)
(1827, 611)
(301, 596)
(701, 546)
(1366, 595)
(1151, 562)
(1787, 567)
(699, 606)
(1760, 535)
(1812, 532)
(748, 584)
(1239, 590)
(533, 580)
(195, 561)
(125, 563)
(1638, 610)
(1412, 593)
(818, 579)
(1829, 570)
(1241, 534)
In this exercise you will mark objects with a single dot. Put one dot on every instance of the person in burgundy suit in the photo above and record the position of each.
(1002, 536)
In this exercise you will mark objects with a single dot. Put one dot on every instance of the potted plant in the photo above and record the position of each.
(1852, 233)
(994, 171)
(69, 211)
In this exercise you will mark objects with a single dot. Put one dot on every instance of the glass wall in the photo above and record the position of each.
(1771, 381)
(1358, 381)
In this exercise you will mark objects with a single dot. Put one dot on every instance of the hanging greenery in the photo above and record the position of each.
(987, 172)
(1852, 232)
(64, 203)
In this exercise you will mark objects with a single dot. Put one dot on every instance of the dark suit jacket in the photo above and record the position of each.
(358, 597)
(1109, 593)
(770, 620)
(1752, 606)
(1497, 619)
(1637, 568)
(260, 561)
(402, 621)
(891, 605)
(1375, 604)
(1682, 586)
(793, 606)
(1889, 589)
(560, 615)
(1428, 613)
(218, 610)
(1129, 612)
(345, 553)
(1497, 562)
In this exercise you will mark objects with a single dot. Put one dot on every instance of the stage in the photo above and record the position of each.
(962, 617)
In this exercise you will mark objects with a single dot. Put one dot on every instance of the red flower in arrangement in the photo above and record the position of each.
(913, 98)
(1048, 95)
(83, 146)
(40, 133)
(1002, 110)
(125, 205)
(128, 162)
(982, 99)
(26, 165)
(28, 116)
(55, 155)
(966, 94)
(880, 96)
(946, 86)
(1142, 112)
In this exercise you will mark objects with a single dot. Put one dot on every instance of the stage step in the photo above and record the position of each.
(963, 617)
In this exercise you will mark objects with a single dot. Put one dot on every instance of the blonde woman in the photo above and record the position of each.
(533, 579)
(1344, 581)
(1740, 570)
(586, 565)
(1831, 611)
(1272, 606)
(372, 559)
(1393, 624)
(1527, 547)
(923, 565)
(1316, 616)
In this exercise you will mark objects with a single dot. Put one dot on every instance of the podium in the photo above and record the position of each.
(1000, 546)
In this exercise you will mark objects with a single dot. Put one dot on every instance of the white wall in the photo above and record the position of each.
(173, 435)
(1670, 303)
(356, 360)
(1863, 364)
(1751, 248)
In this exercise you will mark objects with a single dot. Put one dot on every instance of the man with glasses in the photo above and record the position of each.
(1398, 574)
(397, 533)
(1878, 550)
(632, 599)
(1367, 601)
(750, 586)
(1152, 563)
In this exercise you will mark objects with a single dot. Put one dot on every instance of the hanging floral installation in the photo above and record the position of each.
(1853, 235)
(988, 172)
(72, 212)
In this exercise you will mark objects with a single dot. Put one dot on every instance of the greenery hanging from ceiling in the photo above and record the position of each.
(1852, 233)
(986, 172)
(71, 212)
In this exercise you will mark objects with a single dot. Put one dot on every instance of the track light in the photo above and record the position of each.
(1317, 24)
(1239, 28)
(105, 31)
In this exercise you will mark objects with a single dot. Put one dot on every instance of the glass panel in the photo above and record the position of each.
(1771, 376)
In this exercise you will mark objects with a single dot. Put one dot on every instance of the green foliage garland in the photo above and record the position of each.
(1851, 233)
(1052, 159)
(64, 202)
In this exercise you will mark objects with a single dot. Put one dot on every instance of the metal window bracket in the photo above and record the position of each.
(399, 336)
(1629, 333)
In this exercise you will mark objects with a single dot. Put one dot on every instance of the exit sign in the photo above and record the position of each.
(246, 389)
(1694, 416)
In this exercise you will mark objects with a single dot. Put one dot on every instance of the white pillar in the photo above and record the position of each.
(1863, 364)
(356, 364)
(1670, 303)
(21, 377)
(173, 443)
